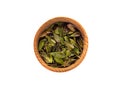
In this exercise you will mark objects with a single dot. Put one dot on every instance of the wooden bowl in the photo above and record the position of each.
(46, 25)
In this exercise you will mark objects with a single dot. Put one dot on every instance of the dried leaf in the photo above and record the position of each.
(70, 32)
(56, 37)
(48, 59)
(75, 34)
(57, 31)
(58, 60)
(68, 52)
(61, 32)
(66, 63)
(48, 48)
(69, 45)
(57, 54)
(76, 50)
(41, 44)
(71, 27)
(66, 38)
(51, 41)
(60, 44)
(73, 42)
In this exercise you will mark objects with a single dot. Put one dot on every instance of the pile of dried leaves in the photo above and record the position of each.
(60, 45)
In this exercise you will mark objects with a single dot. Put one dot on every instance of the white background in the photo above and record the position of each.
(19, 68)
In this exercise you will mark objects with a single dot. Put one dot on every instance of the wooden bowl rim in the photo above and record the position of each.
(47, 24)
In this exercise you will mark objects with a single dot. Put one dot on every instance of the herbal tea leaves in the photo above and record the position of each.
(60, 45)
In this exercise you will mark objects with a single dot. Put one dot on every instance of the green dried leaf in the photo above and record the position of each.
(70, 32)
(66, 38)
(61, 31)
(60, 44)
(51, 41)
(58, 60)
(73, 42)
(58, 54)
(72, 54)
(41, 44)
(56, 37)
(62, 40)
(48, 37)
(63, 50)
(57, 31)
(66, 63)
(69, 45)
(75, 34)
(48, 48)
(76, 50)
(68, 53)
(48, 59)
